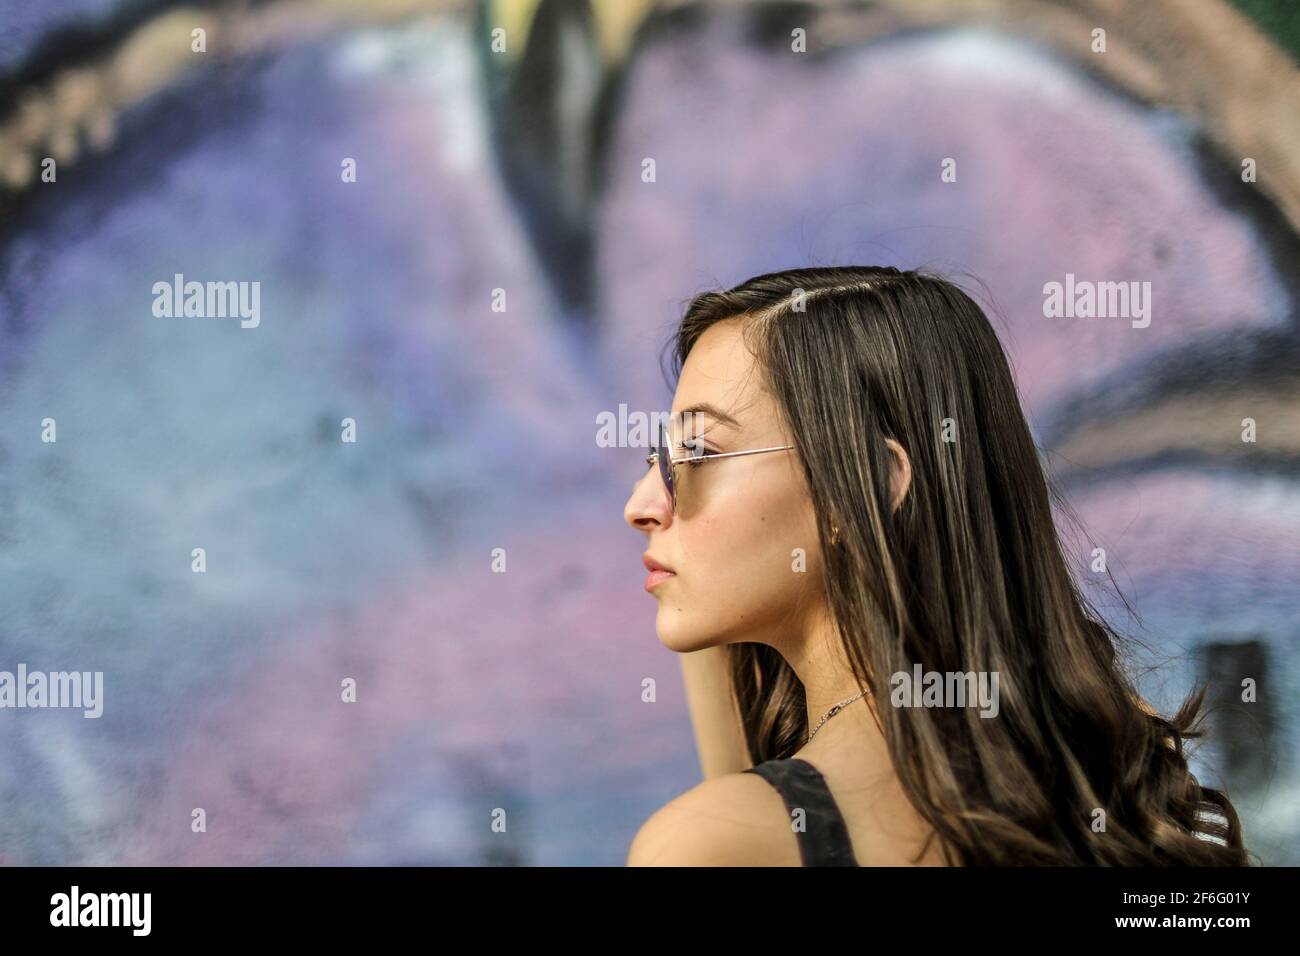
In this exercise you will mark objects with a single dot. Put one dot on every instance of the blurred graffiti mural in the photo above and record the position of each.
(387, 177)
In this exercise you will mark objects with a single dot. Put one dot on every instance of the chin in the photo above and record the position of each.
(675, 640)
(676, 635)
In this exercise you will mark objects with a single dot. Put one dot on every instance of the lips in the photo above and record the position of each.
(659, 573)
(652, 565)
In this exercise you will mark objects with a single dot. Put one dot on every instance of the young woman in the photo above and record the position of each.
(850, 499)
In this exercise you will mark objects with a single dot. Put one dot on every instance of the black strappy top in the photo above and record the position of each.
(825, 839)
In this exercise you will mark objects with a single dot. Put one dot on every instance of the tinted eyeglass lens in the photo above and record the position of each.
(666, 467)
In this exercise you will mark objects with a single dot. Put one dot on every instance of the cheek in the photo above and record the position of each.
(754, 552)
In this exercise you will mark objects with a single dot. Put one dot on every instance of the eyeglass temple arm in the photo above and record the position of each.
(721, 454)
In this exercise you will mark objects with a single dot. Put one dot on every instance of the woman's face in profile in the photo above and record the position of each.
(731, 545)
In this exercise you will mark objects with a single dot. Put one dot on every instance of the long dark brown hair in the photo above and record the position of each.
(968, 575)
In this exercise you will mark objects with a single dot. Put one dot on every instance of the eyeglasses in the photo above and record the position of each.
(668, 464)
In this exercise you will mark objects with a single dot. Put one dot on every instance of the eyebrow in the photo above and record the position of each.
(711, 410)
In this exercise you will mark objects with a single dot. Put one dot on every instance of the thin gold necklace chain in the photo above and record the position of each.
(831, 713)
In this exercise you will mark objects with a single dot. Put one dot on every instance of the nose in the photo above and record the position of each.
(648, 506)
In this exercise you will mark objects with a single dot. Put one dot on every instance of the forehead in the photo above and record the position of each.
(721, 371)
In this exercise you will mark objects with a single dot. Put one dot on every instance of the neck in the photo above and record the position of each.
(818, 659)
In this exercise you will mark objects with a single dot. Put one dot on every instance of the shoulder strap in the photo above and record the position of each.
(825, 841)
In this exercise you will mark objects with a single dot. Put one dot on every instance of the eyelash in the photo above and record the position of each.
(704, 451)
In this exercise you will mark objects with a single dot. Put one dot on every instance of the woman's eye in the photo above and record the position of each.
(694, 449)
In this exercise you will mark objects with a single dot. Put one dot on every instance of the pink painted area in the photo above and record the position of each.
(1223, 550)
(1054, 175)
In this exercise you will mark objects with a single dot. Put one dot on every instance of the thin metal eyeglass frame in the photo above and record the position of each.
(668, 464)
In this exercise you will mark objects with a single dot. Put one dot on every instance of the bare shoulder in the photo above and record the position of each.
(736, 819)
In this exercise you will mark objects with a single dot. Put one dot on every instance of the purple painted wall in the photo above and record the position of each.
(476, 428)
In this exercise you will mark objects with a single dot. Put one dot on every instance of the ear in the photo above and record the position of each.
(900, 473)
